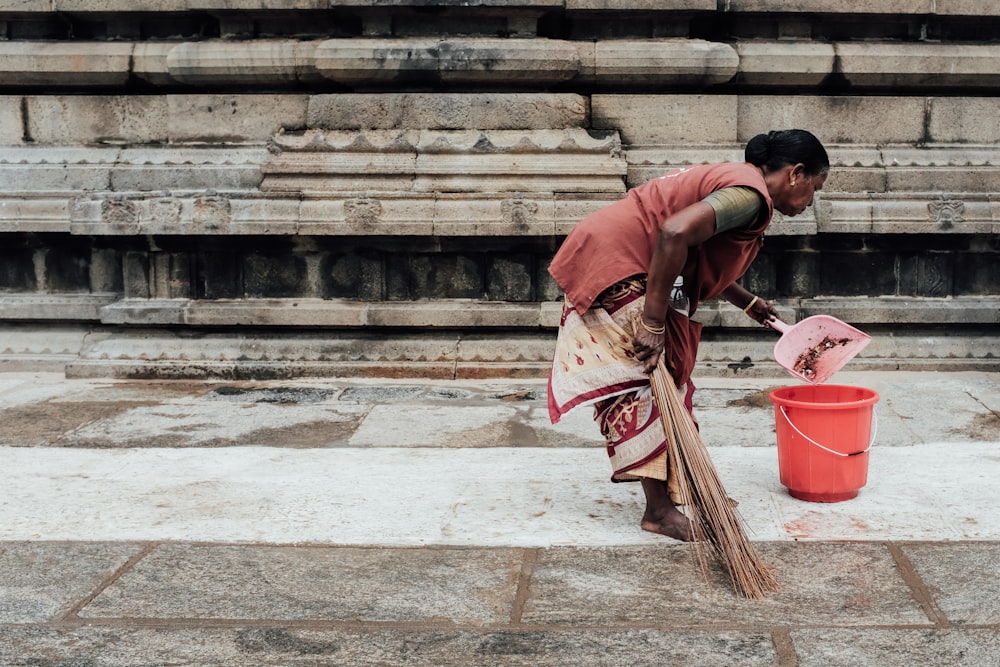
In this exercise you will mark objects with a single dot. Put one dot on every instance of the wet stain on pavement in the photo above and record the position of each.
(983, 427)
(39, 424)
(756, 399)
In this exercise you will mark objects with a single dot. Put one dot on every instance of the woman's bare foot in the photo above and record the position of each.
(672, 524)
(661, 515)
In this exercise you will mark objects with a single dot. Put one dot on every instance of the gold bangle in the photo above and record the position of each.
(658, 331)
(750, 305)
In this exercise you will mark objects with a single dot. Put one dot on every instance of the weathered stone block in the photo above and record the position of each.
(105, 270)
(78, 306)
(17, 269)
(11, 122)
(141, 311)
(218, 274)
(509, 278)
(978, 275)
(29, 168)
(835, 119)
(253, 62)
(965, 8)
(661, 62)
(63, 119)
(924, 65)
(298, 312)
(784, 63)
(32, 214)
(233, 119)
(66, 268)
(964, 120)
(517, 215)
(172, 273)
(931, 213)
(761, 277)
(136, 273)
(639, 5)
(453, 314)
(426, 60)
(844, 274)
(149, 62)
(64, 64)
(447, 111)
(440, 276)
(826, 7)
(796, 273)
(925, 274)
(275, 276)
(569, 211)
(353, 275)
(667, 119)
(845, 213)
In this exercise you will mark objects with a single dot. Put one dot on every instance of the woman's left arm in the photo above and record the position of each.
(756, 308)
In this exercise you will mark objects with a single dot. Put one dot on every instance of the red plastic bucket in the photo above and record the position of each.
(824, 432)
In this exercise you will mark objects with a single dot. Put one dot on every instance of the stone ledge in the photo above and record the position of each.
(470, 314)
(254, 355)
(732, 120)
(65, 307)
(927, 7)
(448, 314)
(524, 214)
(362, 62)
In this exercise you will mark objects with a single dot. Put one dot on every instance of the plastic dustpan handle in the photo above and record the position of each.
(778, 325)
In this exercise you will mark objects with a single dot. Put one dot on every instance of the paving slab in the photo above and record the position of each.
(821, 584)
(279, 645)
(495, 496)
(859, 647)
(963, 579)
(458, 586)
(41, 581)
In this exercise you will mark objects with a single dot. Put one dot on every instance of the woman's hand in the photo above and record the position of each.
(648, 345)
(761, 311)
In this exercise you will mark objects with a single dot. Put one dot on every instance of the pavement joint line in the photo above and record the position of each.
(318, 624)
(528, 561)
(921, 593)
(110, 580)
(784, 647)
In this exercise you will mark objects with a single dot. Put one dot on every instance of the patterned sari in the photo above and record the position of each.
(595, 364)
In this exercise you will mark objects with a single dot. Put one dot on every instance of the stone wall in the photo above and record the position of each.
(244, 188)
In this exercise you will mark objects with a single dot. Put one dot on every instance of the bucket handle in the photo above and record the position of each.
(827, 449)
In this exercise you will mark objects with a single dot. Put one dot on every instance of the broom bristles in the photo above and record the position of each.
(714, 520)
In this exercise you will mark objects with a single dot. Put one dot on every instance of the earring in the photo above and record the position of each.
(793, 184)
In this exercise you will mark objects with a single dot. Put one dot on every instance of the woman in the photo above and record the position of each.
(684, 237)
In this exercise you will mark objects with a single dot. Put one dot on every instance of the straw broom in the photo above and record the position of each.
(714, 519)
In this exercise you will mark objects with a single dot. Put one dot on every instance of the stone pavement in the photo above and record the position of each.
(353, 522)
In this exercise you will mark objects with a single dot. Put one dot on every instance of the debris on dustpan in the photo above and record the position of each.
(817, 347)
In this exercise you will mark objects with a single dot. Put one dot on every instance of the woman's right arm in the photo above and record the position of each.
(688, 227)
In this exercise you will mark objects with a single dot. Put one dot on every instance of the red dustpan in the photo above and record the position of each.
(817, 347)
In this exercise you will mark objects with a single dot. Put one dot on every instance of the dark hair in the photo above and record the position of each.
(780, 147)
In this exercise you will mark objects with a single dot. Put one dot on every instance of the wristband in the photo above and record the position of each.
(750, 305)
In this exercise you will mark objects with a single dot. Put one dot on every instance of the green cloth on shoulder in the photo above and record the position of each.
(735, 207)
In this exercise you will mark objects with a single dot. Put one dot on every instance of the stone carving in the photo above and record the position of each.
(211, 211)
(946, 211)
(362, 213)
(166, 211)
(518, 212)
(119, 212)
